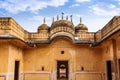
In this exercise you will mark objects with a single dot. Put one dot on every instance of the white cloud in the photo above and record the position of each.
(117, 1)
(80, 1)
(75, 5)
(78, 15)
(105, 9)
(56, 3)
(112, 6)
(16, 6)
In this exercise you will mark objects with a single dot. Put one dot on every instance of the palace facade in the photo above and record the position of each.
(61, 51)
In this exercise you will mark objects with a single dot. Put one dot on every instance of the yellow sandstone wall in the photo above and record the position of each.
(37, 77)
(34, 59)
(15, 54)
(77, 55)
(8, 54)
(108, 55)
(118, 48)
(118, 55)
(90, 59)
(4, 50)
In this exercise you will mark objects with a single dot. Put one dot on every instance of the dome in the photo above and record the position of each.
(81, 26)
(62, 23)
(43, 27)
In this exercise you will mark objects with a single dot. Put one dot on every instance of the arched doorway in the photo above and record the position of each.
(62, 70)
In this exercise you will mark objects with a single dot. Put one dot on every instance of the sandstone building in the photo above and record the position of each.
(61, 51)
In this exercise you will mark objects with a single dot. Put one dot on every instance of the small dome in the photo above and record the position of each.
(43, 27)
(62, 23)
(81, 26)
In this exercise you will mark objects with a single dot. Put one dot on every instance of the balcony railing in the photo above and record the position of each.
(62, 29)
(38, 36)
(89, 36)
(10, 26)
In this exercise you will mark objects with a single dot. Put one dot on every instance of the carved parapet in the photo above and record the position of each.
(62, 29)
(110, 27)
(85, 36)
(38, 36)
(98, 36)
(4, 23)
(10, 26)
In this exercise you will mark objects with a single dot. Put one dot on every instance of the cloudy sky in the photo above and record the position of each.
(30, 13)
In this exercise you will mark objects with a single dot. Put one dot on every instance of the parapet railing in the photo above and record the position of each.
(38, 36)
(111, 27)
(62, 29)
(17, 30)
(89, 36)
(97, 36)
(10, 26)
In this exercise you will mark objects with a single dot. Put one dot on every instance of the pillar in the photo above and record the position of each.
(114, 54)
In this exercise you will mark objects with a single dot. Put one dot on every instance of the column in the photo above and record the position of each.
(114, 54)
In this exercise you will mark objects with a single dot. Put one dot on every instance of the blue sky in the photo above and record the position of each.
(30, 13)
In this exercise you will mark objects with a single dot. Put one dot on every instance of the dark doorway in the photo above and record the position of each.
(62, 70)
(119, 67)
(16, 70)
(109, 70)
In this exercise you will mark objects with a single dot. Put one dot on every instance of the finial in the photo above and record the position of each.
(62, 15)
(57, 17)
(53, 19)
(71, 18)
(44, 20)
(66, 17)
(80, 20)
